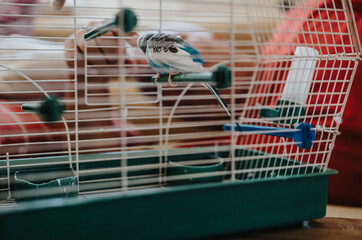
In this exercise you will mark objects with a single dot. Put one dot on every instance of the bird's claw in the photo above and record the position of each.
(170, 78)
(171, 82)
(158, 77)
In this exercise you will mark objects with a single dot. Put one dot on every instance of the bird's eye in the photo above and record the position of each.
(173, 49)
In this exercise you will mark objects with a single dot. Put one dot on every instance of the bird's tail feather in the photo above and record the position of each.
(218, 97)
(220, 100)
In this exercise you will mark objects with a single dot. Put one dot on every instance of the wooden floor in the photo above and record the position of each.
(340, 223)
(321, 229)
(344, 212)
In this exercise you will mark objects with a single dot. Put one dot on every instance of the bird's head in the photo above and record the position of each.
(142, 41)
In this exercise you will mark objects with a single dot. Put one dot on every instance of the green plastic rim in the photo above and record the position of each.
(45, 183)
(195, 173)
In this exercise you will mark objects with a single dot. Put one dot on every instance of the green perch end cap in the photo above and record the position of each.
(50, 109)
(222, 76)
(129, 20)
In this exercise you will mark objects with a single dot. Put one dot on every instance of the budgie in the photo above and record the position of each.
(170, 55)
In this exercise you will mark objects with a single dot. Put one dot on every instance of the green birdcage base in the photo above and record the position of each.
(176, 212)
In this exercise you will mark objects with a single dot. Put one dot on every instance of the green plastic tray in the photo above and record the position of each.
(174, 212)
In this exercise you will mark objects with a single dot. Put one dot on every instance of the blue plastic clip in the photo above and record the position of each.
(303, 135)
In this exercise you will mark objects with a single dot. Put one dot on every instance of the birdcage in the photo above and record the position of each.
(91, 147)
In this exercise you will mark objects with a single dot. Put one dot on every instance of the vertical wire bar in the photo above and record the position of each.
(123, 107)
(162, 167)
(8, 174)
(76, 139)
(160, 17)
(232, 65)
(85, 71)
(161, 147)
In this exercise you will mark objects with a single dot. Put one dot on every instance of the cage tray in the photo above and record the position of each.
(174, 212)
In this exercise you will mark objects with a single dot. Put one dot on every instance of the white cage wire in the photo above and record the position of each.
(287, 59)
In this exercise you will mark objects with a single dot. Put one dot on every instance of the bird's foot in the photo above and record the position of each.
(158, 77)
(170, 78)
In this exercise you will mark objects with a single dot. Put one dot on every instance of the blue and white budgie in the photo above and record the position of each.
(170, 55)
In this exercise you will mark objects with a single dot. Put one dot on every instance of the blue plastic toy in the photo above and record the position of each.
(303, 135)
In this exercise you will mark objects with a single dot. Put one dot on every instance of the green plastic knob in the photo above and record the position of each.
(222, 76)
(49, 110)
(129, 20)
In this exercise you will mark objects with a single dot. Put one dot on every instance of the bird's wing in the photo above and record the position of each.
(195, 54)
(182, 57)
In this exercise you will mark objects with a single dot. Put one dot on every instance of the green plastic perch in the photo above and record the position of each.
(220, 78)
(126, 20)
